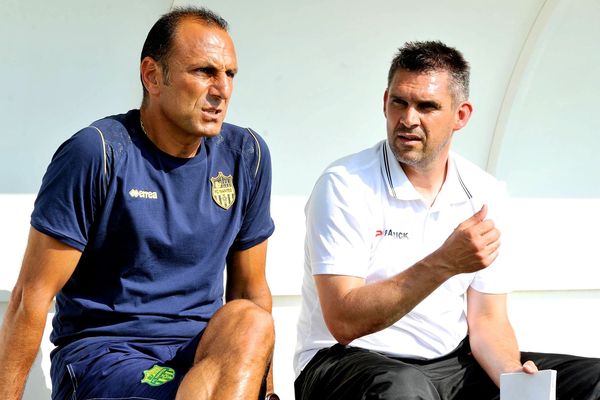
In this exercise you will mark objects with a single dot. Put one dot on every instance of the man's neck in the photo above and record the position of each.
(165, 136)
(427, 180)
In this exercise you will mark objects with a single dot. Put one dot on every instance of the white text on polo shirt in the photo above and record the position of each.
(392, 233)
(143, 194)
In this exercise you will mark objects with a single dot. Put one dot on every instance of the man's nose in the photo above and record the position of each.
(409, 117)
(221, 86)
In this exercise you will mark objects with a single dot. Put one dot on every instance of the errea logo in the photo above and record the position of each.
(143, 194)
(391, 233)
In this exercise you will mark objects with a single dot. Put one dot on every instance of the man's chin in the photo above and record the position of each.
(407, 157)
(210, 129)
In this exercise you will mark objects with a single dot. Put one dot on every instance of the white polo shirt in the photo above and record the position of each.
(365, 219)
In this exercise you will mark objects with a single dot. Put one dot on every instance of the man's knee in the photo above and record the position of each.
(245, 321)
(248, 315)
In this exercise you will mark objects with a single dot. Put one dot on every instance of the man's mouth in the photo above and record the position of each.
(213, 111)
(409, 137)
(211, 114)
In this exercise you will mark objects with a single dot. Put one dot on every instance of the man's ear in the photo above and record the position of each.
(151, 74)
(385, 97)
(463, 114)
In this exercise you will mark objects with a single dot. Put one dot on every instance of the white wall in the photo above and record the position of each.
(547, 137)
(311, 80)
(65, 63)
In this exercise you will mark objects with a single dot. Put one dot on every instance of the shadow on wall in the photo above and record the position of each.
(36, 388)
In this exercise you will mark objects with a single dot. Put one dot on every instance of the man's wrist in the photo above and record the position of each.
(272, 396)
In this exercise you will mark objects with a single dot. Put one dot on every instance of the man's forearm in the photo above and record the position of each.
(20, 338)
(369, 308)
(496, 350)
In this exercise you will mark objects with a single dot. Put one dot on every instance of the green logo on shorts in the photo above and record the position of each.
(157, 375)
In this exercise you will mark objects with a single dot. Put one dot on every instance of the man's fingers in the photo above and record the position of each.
(489, 233)
(491, 245)
(530, 367)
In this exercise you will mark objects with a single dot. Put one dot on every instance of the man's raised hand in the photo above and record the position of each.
(471, 247)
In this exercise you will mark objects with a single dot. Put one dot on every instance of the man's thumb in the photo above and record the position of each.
(475, 218)
(481, 214)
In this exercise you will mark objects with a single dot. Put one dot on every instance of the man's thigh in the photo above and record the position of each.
(458, 376)
(349, 373)
(353, 373)
(121, 369)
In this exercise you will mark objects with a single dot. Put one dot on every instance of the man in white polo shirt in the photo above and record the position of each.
(404, 293)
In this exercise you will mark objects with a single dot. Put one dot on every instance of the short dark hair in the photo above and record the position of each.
(428, 56)
(159, 42)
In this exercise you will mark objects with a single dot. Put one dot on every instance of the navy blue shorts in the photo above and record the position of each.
(121, 368)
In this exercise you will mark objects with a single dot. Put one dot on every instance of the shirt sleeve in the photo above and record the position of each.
(495, 278)
(72, 189)
(336, 228)
(257, 225)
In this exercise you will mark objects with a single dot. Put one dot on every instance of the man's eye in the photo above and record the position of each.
(205, 70)
(427, 107)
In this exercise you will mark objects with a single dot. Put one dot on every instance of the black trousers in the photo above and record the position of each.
(350, 373)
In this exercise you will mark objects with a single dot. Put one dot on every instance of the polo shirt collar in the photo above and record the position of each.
(453, 190)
